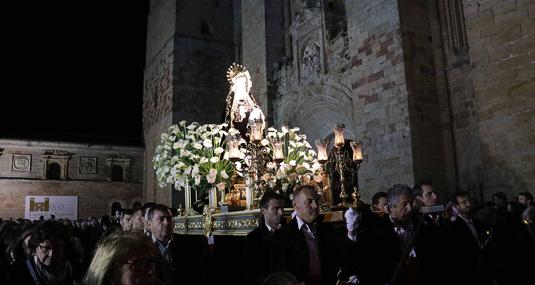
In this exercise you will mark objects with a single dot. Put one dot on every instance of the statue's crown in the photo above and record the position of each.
(234, 70)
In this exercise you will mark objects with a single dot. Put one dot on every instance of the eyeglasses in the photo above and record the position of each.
(141, 263)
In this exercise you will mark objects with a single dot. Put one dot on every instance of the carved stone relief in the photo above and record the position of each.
(308, 40)
(88, 165)
(310, 62)
(320, 106)
(313, 91)
(21, 162)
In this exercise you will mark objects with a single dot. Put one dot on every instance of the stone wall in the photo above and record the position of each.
(254, 48)
(426, 123)
(87, 174)
(94, 198)
(189, 48)
(379, 85)
(501, 37)
(356, 78)
(456, 93)
(158, 89)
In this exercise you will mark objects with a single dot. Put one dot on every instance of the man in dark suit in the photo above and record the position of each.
(466, 241)
(306, 247)
(257, 248)
(391, 248)
(175, 261)
(382, 241)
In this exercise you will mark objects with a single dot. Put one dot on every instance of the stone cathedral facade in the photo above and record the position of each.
(439, 90)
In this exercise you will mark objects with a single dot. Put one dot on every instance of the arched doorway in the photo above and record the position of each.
(117, 173)
(53, 171)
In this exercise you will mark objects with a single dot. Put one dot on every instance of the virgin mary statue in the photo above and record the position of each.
(241, 106)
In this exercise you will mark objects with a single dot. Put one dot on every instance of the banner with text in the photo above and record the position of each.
(65, 207)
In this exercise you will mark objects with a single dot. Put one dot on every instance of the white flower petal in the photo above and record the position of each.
(207, 143)
(214, 159)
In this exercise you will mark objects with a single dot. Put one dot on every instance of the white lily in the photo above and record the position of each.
(214, 159)
(207, 143)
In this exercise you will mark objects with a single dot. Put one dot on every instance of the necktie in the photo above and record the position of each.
(472, 228)
(313, 255)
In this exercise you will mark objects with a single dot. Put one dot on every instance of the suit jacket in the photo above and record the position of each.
(464, 251)
(257, 254)
(379, 252)
(184, 262)
(429, 245)
(290, 251)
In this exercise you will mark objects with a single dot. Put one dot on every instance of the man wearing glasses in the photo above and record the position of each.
(48, 263)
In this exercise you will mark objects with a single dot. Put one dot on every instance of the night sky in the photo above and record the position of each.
(73, 71)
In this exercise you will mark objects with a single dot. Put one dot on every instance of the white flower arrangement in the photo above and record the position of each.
(300, 160)
(195, 153)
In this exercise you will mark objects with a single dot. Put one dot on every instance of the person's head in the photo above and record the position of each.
(137, 220)
(105, 221)
(425, 194)
(49, 241)
(126, 219)
(52, 217)
(123, 258)
(146, 207)
(525, 198)
(271, 206)
(240, 77)
(379, 201)
(464, 203)
(399, 202)
(500, 199)
(160, 222)
(305, 202)
(137, 205)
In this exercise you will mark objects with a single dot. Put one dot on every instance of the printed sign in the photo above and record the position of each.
(63, 207)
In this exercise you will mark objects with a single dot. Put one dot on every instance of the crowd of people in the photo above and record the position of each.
(404, 237)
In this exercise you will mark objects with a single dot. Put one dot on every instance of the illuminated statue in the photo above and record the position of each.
(241, 105)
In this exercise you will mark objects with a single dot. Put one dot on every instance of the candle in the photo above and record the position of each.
(234, 153)
(339, 141)
(256, 134)
(322, 150)
(356, 146)
(278, 153)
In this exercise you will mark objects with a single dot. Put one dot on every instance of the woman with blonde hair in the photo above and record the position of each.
(123, 258)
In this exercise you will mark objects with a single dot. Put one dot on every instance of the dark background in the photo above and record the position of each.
(73, 71)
